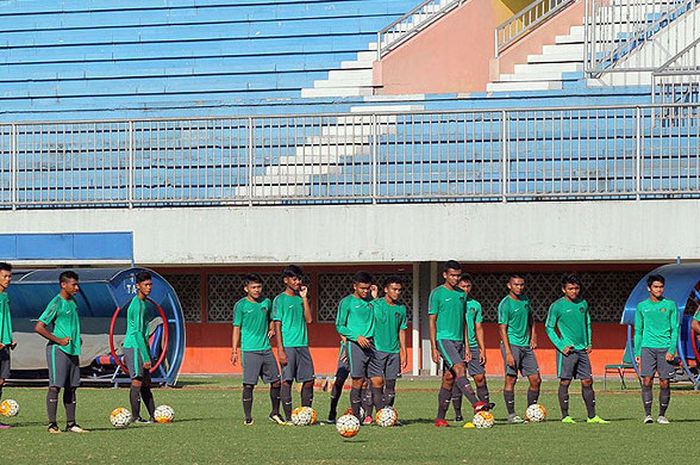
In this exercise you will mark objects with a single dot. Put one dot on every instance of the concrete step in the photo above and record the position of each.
(313, 153)
(522, 86)
(563, 49)
(386, 108)
(337, 92)
(552, 76)
(274, 191)
(346, 75)
(295, 173)
(551, 57)
(571, 38)
(536, 69)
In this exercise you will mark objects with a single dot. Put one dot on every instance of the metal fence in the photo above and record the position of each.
(678, 80)
(631, 152)
(526, 20)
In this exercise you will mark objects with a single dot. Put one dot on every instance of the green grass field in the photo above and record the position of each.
(209, 430)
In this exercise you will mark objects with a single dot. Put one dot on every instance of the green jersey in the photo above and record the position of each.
(5, 319)
(656, 326)
(696, 317)
(63, 315)
(137, 328)
(355, 318)
(573, 320)
(254, 320)
(448, 305)
(388, 321)
(289, 310)
(473, 315)
(516, 315)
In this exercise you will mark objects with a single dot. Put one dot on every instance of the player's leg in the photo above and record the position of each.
(530, 368)
(392, 370)
(270, 375)
(251, 362)
(147, 395)
(444, 396)
(56, 382)
(666, 372)
(4, 374)
(375, 371)
(341, 375)
(565, 372)
(69, 393)
(367, 406)
(510, 379)
(305, 374)
(584, 372)
(456, 398)
(477, 371)
(453, 353)
(647, 371)
(358, 360)
(288, 373)
(131, 361)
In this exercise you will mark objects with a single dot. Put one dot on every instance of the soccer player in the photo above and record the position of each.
(569, 328)
(342, 373)
(62, 351)
(6, 341)
(252, 328)
(655, 342)
(136, 353)
(446, 316)
(355, 322)
(390, 335)
(291, 313)
(475, 350)
(518, 342)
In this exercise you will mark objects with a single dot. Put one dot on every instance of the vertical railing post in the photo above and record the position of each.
(251, 166)
(504, 156)
(13, 166)
(495, 43)
(373, 135)
(132, 165)
(586, 45)
(638, 153)
(379, 45)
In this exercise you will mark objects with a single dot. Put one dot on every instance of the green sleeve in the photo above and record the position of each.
(276, 313)
(479, 316)
(502, 313)
(341, 321)
(674, 330)
(49, 314)
(638, 331)
(550, 327)
(237, 316)
(269, 306)
(433, 303)
(588, 326)
(697, 316)
(404, 320)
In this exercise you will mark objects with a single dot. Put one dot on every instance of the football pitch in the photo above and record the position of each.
(208, 430)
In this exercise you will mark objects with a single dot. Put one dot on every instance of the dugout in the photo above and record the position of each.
(682, 286)
(103, 291)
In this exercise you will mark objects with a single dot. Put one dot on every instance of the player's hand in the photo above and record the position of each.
(234, 357)
(404, 361)
(567, 350)
(64, 341)
(589, 349)
(510, 361)
(271, 333)
(2, 346)
(13, 346)
(363, 342)
(533, 343)
(482, 358)
(436, 355)
(467, 356)
(282, 356)
(669, 357)
(304, 292)
(147, 365)
(374, 290)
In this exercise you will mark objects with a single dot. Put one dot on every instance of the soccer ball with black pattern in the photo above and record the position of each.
(536, 413)
(9, 408)
(164, 414)
(347, 426)
(483, 420)
(386, 417)
(120, 417)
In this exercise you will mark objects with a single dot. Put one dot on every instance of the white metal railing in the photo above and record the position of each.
(616, 28)
(525, 21)
(420, 17)
(574, 153)
(678, 80)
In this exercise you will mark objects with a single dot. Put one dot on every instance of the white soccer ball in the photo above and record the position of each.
(386, 417)
(120, 417)
(302, 416)
(9, 408)
(347, 426)
(535, 413)
(164, 414)
(483, 420)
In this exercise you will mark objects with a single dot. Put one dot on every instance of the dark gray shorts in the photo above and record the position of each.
(452, 352)
(299, 365)
(64, 369)
(389, 364)
(343, 370)
(474, 366)
(259, 364)
(654, 360)
(525, 361)
(363, 362)
(576, 365)
(5, 362)
(134, 362)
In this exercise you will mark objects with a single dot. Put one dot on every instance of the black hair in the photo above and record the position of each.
(5, 267)
(362, 277)
(451, 265)
(570, 279)
(653, 278)
(392, 279)
(292, 271)
(66, 275)
(513, 276)
(466, 277)
(251, 278)
(142, 276)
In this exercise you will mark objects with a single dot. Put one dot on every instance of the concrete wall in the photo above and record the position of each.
(588, 231)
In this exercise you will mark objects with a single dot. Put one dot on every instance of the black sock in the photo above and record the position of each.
(389, 392)
(149, 402)
(356, 401)
(564, 399)
(589, 399)
(463, 383)
(247, 398)
(52, 403)
(275, 398)
(135, 401)
(456, 397)
(307, 394)
(367, 401)
(483, 393)
(1, 391)
(509, 398)
(646, 399)
(377, 397)
(532, 396)
(336, 392)
(444, 396)
(69, 404)
(286, 398)
(664, 399)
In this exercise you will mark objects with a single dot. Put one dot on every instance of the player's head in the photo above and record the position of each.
(68, 280)
(655, 285)
(465, 283)
(5, 275)
(362, 284)
(393, 287)
(293, 276)
(571, 286)
(252, 285)
(451, 271)
(144, 283)
(516, 284)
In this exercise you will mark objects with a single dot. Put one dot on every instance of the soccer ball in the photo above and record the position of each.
(535, 413)
(348, 426)
(483, 420)
(9, 408)
(120, 417)
(302, 416)
(314, 415)
(386, 417)
(164, 414)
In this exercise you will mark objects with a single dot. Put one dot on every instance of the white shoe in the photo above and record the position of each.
(662, 420)
(648, 420)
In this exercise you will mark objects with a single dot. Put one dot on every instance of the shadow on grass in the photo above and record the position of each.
(417, 421)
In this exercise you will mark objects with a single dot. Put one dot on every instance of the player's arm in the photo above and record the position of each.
(432, 326)
(674, 334)
(277, 322)
(341, 322)
(235, 340)
(467, 351)
(304, 294)
(503, 331)
(479, 332)
(533, 333)
(589, 346)
(638, 332)
(45, 319)
(402, 349)
(550, 328)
